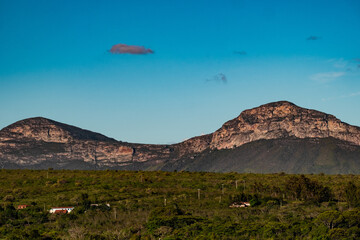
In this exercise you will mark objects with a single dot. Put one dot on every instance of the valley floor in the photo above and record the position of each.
(177, 205)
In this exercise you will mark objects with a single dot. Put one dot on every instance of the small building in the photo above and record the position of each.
(61, 210)
(98, 205)
(23, 206)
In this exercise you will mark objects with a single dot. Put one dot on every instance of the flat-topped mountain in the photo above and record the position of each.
(275, 137)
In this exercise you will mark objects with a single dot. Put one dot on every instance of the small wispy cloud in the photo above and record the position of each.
(345, 64)
(220, 77)
(339, 62)
(355, 62)
(354, 94)
(240, 52)
(326, 77)
(129, 49)
(350, 95)
(313, 38)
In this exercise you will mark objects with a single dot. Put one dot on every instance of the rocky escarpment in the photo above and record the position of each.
(280, 120)
(41, 143)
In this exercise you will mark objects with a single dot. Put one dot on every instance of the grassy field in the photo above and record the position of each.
(178, 205)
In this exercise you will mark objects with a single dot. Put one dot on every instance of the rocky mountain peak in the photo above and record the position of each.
(43, 129)
(280, 120)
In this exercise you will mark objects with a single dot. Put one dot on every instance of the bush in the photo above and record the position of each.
(171, 216)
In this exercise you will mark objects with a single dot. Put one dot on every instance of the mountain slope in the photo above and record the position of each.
(274, 137)
(290, 155)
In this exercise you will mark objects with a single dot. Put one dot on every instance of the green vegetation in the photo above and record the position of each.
(178, 205)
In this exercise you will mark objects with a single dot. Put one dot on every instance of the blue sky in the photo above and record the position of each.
(210, 61)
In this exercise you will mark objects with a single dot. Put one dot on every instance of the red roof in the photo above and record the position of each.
(22, 206)
(60, 211)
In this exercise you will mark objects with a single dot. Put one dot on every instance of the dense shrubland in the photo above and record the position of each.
(178, 205)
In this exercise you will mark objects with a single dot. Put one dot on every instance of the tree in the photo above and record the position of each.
(306, 189)
(85, 202)
(328, 218)
(352, 195)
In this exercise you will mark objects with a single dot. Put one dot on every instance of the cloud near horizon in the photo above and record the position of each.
(313, 38)
(326, 77)
(220, 77)
(350, 95)
(129, 49)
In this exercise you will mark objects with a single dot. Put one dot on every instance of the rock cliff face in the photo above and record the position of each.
(43, 143)
(280, 120)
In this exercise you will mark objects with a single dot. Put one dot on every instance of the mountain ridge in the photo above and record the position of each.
(38, 142)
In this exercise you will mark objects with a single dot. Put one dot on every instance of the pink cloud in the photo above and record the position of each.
(123, 48)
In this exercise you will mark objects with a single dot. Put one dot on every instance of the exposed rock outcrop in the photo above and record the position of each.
(279, 120)
(42, 129)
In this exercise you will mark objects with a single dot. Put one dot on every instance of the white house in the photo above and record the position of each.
(241, 204)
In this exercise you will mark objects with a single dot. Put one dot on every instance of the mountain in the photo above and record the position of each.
(275, 137)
